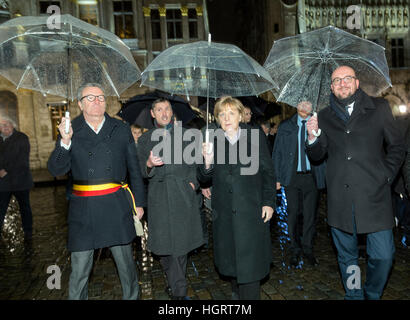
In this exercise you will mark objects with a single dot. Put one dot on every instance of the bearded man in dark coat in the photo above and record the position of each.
(100, 152)
(174, 220)
(355, 131)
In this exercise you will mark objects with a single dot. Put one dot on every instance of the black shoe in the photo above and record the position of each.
(311, 260)
(168, 291)
(294, 260)
(235, 296)
(181, 298)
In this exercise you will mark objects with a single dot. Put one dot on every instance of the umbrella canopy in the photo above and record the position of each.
(302, 65)
(59, 61)
(207, 69)
(256, 104)
(137, 109)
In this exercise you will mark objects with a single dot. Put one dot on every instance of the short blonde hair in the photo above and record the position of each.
(225, 101)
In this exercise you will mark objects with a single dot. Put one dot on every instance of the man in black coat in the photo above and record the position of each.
(15, 175)
(174, 221)
(100, 152)
(359, 174)
(301, 179)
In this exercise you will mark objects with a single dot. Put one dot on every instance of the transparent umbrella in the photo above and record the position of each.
(302, 65)
(58, 61)
(207, 69)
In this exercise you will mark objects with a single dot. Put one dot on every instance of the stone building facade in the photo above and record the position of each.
(147, 27)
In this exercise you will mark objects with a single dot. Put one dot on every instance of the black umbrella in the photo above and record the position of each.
(137, 109)
(258, 106)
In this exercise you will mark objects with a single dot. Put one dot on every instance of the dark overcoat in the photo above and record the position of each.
(106, 220)
(242, 243)
(359, 172)
(285, 155)
(14, 158)
(174, 222)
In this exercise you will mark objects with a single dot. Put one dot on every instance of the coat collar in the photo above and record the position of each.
(79, 125)
(360, 107)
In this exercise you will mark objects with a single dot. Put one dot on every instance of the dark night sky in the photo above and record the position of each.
(223, 20)
(238, 22)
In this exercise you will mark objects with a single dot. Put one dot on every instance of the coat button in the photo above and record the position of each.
(90, 154)
(346, 186)
(349, 158)
(230, 190)
(347, 131)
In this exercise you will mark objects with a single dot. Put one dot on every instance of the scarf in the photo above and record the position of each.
(168, 127)
(338, 105)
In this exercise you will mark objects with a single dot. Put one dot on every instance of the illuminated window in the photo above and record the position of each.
(123, 19)
(57, 111)
(88, 13)
(174, 24)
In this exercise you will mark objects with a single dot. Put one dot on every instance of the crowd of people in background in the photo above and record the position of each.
(117, 178)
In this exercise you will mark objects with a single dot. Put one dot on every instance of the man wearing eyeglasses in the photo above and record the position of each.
(100, 153)
(365, 151)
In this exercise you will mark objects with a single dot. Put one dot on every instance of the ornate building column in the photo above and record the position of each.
(140, 23)
(185, 24)
(163, 22)
(148, 32)
(201, 26)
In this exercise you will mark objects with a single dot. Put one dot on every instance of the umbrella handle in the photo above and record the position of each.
(318, 132)
(67, 122)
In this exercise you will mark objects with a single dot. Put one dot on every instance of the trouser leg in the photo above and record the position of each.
(23, 199)
(175, 270)
(81, 264)
(292, 196)
(250, 291)
(310, 196)
(126, 270)
(380, 248)
(347, 256)
(4, 204)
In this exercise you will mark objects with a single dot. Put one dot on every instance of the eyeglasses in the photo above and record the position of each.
(92, 97)
(347, 80)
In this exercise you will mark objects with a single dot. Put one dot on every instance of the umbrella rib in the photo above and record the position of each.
(105, 71)
(291, 79)
(30, 66)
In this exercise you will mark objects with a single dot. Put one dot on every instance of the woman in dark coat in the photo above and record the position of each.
(243, 198)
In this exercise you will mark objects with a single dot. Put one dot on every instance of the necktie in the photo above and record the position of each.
(302, 147)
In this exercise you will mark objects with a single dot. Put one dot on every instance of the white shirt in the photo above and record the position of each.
(235, 138)
(97, 131)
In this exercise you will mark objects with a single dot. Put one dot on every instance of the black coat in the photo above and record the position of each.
(359, 173)
(242, 243)
(100, 221)
(174, 222)
(14, 158)
(285, 155)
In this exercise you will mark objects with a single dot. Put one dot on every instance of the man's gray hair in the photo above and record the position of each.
(9, 120)
(90, 84)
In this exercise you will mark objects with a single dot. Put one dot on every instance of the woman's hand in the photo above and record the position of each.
(208, 153)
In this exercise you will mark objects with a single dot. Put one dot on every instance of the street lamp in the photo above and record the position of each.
(402, 108)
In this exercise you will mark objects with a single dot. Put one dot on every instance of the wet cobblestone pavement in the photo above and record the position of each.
(23, 266)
